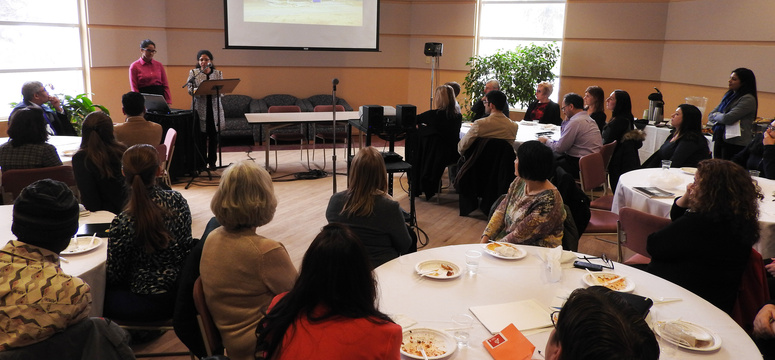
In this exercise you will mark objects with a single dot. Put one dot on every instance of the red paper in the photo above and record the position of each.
(509, 344)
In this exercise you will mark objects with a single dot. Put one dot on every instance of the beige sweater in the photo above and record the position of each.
(241, 272)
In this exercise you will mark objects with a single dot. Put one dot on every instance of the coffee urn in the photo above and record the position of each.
(656, 107)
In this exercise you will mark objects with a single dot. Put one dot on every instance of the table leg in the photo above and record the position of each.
(266, 148)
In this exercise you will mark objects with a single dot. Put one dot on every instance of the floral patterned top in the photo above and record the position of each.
(157, 272)
(528, 219)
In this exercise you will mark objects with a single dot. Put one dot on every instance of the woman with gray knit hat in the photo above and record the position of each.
(38, 298)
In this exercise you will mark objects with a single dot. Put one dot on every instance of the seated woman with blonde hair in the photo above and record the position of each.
(532, 212)
(367, 208)
(241, 271)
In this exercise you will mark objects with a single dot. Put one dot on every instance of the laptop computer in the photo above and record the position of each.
(155, 104)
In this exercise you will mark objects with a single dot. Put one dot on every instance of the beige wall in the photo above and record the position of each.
(399, 73)
(685, 48)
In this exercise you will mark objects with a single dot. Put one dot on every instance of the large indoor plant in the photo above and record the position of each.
(518, 71)
(78, 107)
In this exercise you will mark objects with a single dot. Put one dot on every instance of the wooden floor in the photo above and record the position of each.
(301, 213)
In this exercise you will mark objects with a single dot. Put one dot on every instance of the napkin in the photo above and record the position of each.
(510, 344)
(552, 259)
(525, 315)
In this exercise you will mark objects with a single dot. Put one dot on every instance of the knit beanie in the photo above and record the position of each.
(45, 214)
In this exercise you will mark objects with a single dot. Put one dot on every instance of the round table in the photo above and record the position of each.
(431, 303)
(626, 196)
(89, 266)
(66, 146)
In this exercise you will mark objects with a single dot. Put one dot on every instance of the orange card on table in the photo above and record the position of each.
(509, 344)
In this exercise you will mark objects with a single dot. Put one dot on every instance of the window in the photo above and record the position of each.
(42, 42)
(506, 24)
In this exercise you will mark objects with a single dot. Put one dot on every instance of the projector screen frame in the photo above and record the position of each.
(372, 47)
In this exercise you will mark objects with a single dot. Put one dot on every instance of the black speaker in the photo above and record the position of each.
(373, 117)
(433, 49)
(406, 116)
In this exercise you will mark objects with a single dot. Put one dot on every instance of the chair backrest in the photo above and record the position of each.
(169, 140)
(327, 108)
(14, 181)
(592, 171)
(635, 227)
(753, 292)
(162, 150)
(210, 334)
(284, 108)
(608, 152)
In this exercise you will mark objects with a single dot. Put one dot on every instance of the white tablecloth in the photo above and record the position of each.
(89, 266)
(527, 130)
(626, 196)
(433, 302)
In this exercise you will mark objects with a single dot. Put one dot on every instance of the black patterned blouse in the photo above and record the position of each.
(157, 272)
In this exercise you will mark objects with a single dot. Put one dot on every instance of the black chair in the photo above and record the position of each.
(486, 171)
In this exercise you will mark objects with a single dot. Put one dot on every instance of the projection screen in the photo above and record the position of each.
(348, 25)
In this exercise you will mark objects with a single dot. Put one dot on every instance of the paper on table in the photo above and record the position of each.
(526, 315)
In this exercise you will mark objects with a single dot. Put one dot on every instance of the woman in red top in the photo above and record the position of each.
(331, 311)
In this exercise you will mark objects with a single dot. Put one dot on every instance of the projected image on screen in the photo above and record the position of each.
(309, 12)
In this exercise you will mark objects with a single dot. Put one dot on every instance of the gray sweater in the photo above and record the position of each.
(383, 233)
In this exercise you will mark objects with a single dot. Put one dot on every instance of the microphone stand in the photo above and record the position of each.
(333, 113)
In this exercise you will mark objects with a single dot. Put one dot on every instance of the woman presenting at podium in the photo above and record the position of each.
(205, 105)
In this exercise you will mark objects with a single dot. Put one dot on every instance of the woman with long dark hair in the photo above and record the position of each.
(686, 146)
(27, 147)
(593, 104)
(206, 105)
(97, 165)
(715, 222)
(621, 128)
(367, 208)
(331, 312)
(439, 131)
(733, 118)
(148, 243)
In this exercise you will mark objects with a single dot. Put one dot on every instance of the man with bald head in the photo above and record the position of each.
(480, 110)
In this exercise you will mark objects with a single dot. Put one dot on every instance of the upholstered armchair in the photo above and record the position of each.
(236, 125)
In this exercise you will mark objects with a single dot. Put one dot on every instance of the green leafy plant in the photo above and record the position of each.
(78, 107)
(518, 71)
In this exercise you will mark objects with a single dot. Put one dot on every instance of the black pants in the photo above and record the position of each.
(725, 150)
(209, 138)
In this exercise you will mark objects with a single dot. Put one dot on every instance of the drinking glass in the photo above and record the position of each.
(753, 172)
(666, 164)
(472, 261)
(463, 323)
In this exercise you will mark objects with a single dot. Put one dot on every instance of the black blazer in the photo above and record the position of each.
(551, 113)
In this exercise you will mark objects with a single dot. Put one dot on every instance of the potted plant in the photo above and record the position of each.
(78, 107)
(518, 71)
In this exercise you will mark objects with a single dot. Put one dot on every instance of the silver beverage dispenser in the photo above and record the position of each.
(656, 107)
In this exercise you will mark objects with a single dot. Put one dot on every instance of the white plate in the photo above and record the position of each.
(714, 344)
(441, 340)
(491, 248)
(82, 244)
(438, 269)
(69, 152)
(689, 170)
(629, 285)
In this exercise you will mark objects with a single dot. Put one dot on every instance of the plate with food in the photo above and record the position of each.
(82, 244)
(504, 250)
(438, 269)
(689, 170)
(610, 280)
(69, 152)
(687, 335)
(437, 344)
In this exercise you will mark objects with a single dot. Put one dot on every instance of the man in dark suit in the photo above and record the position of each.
(34, 94)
